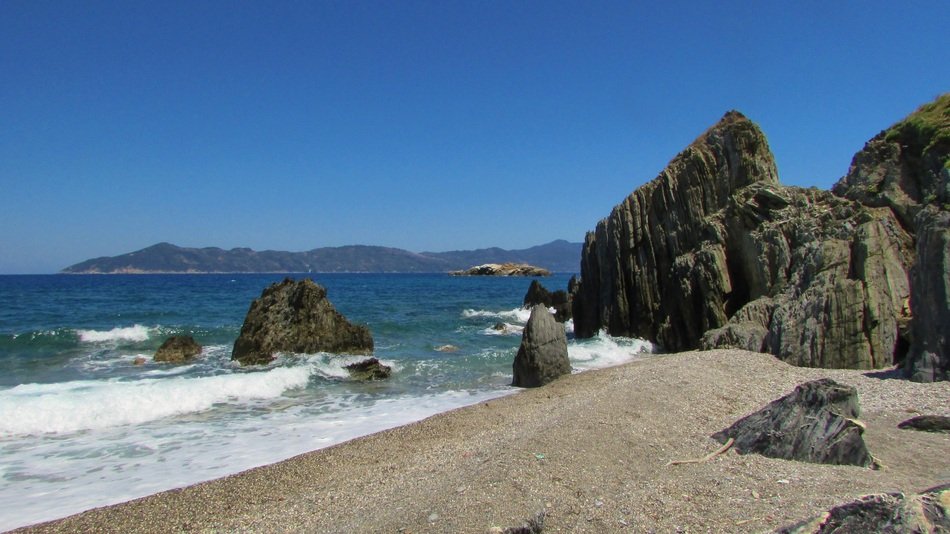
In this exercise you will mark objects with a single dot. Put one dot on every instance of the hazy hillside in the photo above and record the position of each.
(557, 256)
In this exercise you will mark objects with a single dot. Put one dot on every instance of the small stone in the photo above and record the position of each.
(755, 494)
(783, 481)
(598, 503)
(433, 517)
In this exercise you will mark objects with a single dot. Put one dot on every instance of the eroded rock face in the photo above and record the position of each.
(714, 253)
(177, 349)
(542, 356)
(296, 317)
(906, 169)
(815, 423)
(928, 512)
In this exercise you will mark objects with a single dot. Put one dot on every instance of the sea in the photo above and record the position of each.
(85, 423)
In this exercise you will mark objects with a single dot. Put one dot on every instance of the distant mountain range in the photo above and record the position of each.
(556, 256)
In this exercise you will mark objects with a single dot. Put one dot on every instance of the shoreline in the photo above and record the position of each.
(589, 450)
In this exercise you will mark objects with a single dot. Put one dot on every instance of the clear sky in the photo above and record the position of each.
(429, 126)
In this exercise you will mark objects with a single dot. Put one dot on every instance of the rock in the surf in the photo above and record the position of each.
(559, 300)
(177, 349)
(370, 369)
(296, 316)
(817, 423)
(542, 356)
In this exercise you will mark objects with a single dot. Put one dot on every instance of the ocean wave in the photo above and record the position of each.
(520, 315)
(135, 333)
(93, 404)
(604, 350)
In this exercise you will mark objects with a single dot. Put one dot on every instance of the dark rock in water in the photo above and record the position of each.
(927, 423)
(559, 300)
(177, 349)
(715, 253)
(815, 423)
(370, 369)
(928, 512)
(542, 356)
(503, 269)
(296, 317)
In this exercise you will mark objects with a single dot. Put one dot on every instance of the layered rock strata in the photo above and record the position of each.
(715, 253)
(296, 317)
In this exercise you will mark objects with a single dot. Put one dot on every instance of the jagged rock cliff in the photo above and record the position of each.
(906, 168)
(715, 253)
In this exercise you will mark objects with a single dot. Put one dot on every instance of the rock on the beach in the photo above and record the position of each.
(296, 317)
(927, 423)
(559, 300)
(815, 423)
(928, 512)
(542, 356)
(929, 357)
(370, 369)
(177, 349)
(503, 269)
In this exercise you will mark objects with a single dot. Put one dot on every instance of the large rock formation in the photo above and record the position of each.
(815, 423)
(542, 356)
(927, 513)
(177, 349)
(296, 317)
(906, 168)
(715, 253)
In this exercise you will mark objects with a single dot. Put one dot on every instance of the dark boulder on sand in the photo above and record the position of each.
(928, 512)
(817, 423)
(542, 356)
(296, 317)
(177, 349)
(927, 423)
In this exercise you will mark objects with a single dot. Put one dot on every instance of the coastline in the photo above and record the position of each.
(590, 450)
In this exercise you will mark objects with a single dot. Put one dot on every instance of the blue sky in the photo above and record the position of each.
(429, 126)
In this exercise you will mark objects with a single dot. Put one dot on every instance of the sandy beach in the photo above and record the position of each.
(589, 450)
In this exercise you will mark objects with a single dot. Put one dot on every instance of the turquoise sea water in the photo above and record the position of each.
(81, 425)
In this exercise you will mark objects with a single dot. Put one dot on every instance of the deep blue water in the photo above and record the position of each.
(82, 424)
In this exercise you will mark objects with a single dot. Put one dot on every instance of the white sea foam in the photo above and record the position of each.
(135, 333)
(56, 477)
(604, 350)
(520, 315)
(94, 404)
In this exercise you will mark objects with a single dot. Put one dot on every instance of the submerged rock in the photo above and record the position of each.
(370, 369)
(177, 349)
(928, 512)
(503, 269)
(815, 423)
(542, 356)
(296, 317)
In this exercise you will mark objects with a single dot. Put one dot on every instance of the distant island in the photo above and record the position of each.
(556, 256)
